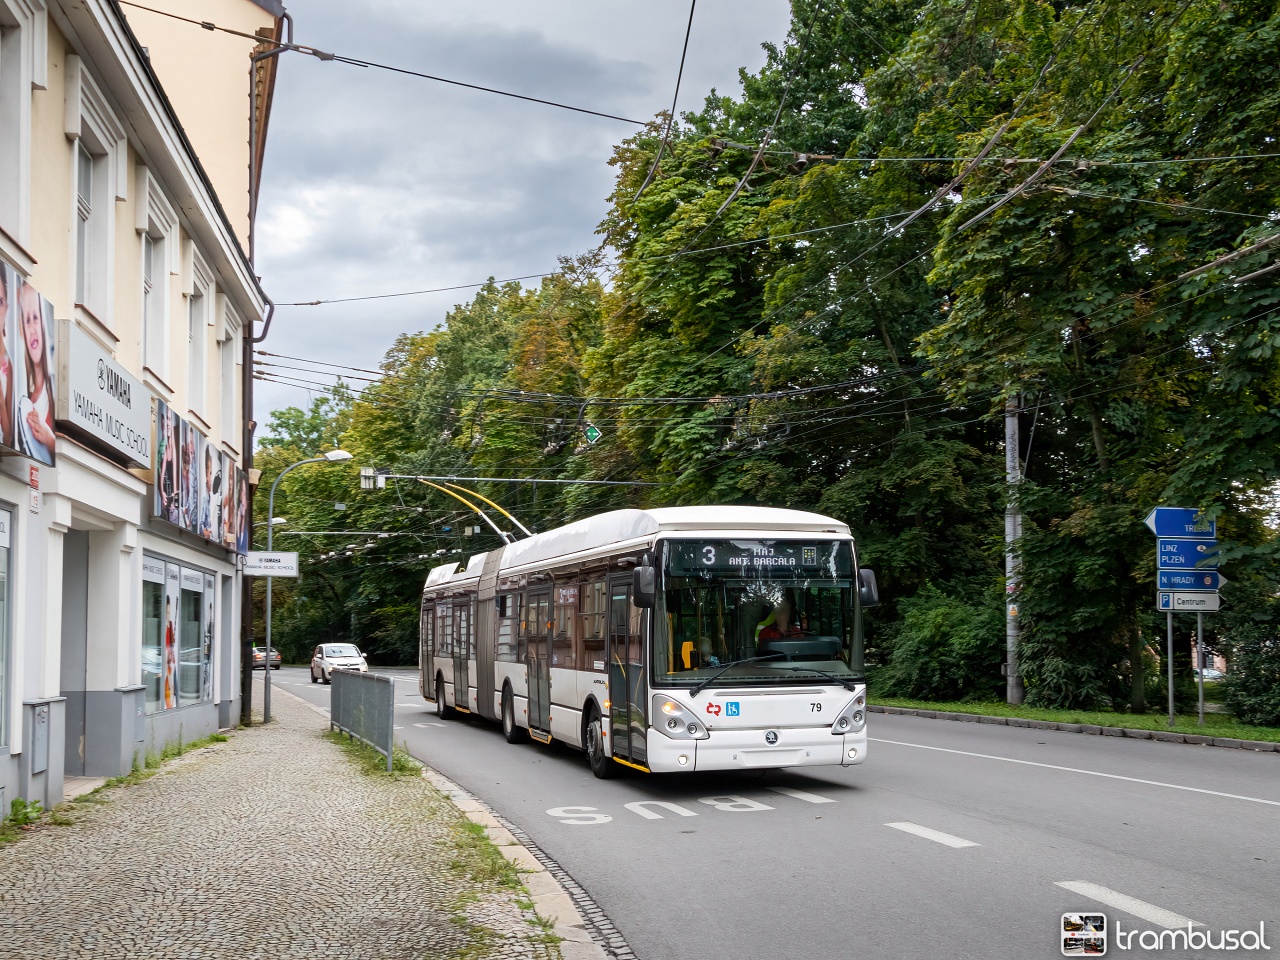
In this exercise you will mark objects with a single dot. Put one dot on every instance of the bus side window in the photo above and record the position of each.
(508, 627)
(594, 611)
(564, 632)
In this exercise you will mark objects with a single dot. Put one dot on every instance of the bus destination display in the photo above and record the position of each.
(754, 557)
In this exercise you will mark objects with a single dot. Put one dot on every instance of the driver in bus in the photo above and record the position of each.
(778, 625)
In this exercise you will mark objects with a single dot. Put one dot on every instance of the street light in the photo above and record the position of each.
(333, 456)
(274, 521)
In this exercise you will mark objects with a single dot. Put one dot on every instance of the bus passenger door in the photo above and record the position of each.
(463, 644)
(538, 615)
(627, 711)
(427, 654)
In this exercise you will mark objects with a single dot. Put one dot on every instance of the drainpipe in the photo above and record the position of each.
(246, 583)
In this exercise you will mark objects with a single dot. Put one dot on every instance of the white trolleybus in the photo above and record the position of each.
(684, 638)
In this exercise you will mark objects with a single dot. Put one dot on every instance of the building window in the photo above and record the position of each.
(227, 368)
(177, 635)
(155, 224)
(23, 64)
(6, 532)
(84, 221)
(196, 338)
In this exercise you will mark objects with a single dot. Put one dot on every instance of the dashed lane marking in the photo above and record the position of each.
(935, 835)
(801, 795)
(425, 725)
(1139, 908)
(1091, 773)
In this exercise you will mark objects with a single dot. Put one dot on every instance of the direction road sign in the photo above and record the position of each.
(1188, 602)
(1186, 554)
(1188, 580)
(592, 433)
(1185, 522)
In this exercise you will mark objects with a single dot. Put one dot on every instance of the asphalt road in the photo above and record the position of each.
(952, 840)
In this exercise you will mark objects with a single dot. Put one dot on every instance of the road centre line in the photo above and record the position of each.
(801, 795)
(1139, 908)
(936, 835)
(1091, 773)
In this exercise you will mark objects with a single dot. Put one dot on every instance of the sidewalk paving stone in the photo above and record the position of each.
(271, 845)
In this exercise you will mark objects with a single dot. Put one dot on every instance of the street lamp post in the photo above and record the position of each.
(333, 456)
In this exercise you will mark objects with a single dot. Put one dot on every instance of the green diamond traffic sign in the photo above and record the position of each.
(592, 433)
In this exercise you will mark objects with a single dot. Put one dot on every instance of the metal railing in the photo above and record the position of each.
(363, 705)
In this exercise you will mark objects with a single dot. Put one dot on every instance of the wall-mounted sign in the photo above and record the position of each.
(260, 563)
(102, 399)
(27, 381)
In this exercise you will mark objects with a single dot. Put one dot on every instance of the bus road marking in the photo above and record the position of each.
(801, 795)
(935, 835)
(642, 807)
(1139, 908)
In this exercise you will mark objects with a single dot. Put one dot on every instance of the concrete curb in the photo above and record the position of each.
(551, 900)
(1262, 746)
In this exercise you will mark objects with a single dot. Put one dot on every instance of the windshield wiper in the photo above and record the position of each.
(736, 663)
(847, 684)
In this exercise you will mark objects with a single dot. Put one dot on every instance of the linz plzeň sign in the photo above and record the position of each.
(260, 563)
(102, 399)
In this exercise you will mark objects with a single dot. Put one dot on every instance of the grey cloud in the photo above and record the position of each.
(376, 183)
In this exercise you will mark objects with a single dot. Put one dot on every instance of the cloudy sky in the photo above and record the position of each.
(377, 183)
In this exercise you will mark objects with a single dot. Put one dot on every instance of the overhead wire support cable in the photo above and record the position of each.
(357, 62)
(671, 117)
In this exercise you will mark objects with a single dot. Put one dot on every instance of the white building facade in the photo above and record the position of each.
(127, 298)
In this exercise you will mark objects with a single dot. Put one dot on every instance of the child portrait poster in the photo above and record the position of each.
(168, 434)
(27, 368)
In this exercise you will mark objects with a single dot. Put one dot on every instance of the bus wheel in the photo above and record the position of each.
(513, 732)
(601, 765)
(442, 709)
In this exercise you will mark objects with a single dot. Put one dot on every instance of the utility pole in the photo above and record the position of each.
(1012, 559)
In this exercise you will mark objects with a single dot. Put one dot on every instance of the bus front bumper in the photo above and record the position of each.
(748, 750)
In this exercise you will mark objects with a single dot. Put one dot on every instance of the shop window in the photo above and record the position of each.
(153, 628)
(6, 528)
(177, 635)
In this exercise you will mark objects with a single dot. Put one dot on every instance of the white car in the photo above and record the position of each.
(336, 656)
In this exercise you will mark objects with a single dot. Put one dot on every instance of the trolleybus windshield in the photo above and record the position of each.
(789, 602)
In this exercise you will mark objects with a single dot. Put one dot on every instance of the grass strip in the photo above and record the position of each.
(1215, 724)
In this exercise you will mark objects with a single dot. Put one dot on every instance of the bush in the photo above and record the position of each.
(1253, 683)
(945, 648)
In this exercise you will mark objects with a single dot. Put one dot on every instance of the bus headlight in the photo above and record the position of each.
(851, 718)
(675, 720)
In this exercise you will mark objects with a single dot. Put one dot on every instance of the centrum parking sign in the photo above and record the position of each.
(260, 563)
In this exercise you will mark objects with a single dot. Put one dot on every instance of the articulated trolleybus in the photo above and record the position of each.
(684, 638)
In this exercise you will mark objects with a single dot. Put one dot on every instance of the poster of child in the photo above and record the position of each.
(33, 418)
(208, 505)
(9, 353)
(172, 601)
(242, 506)
(168, 455)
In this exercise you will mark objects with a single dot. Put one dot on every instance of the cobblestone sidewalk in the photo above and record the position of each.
(271, 845)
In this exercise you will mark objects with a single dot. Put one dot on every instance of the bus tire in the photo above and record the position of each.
(512, 731)
(601, 764)
(442, 709)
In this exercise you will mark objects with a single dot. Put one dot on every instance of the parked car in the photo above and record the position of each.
(260, 656)
(1211, 674)
(336, 656)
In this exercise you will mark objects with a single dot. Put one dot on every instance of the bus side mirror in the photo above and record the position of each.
(644, 586)
(868, 593)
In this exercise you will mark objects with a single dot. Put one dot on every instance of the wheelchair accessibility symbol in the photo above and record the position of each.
(732, 709)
